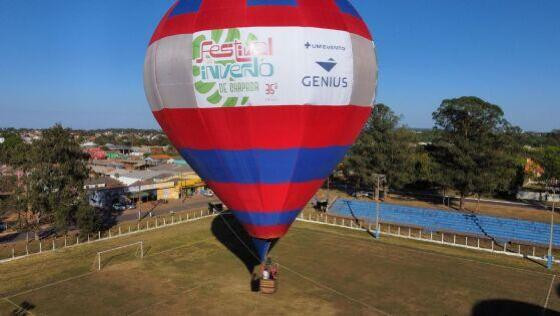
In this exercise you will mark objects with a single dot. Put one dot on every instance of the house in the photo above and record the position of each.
(88, 145)
(533, 171)
(102, 183)
(114, 155)
(105, 167)
(102, 192)
(161, 157)
(131, 177)
(96, 153)
(180, 162)
(155, 160)
(154, 150)
(180, 170)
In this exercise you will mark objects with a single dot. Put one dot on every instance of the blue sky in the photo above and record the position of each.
(80, 62)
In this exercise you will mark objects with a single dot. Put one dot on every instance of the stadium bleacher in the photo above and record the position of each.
(500, 229)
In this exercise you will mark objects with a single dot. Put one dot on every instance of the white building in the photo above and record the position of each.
(2, 140)
(88, 145)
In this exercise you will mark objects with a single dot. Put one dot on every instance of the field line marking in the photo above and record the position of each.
(86, 274)
(178, 294)
(548, 295)
(333, 290)
(445, 255)
(19, 307)
(476, 261)
(49, 285)
(179, 247)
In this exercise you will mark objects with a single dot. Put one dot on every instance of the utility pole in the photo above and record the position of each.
(550, 258)
(377, 230)
(328, 190)
(377, 188)
(379, 177)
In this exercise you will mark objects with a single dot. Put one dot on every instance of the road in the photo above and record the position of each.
(195, 203)
(473, 200)
(162, 209)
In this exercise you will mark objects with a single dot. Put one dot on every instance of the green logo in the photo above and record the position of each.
(226, 69)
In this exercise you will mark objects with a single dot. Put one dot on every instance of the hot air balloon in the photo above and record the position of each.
(262, 98)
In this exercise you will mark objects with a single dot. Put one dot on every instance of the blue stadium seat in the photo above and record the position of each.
(502, 229)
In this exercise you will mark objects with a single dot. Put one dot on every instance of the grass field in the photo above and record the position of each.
(202, 268)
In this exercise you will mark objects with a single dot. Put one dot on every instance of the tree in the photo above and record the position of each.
(429, 173)
(7, 187)
(475, 146)
(88, 219)
(13, 151)
(554, 137)
(550, 161)
(54, 183)
(383, 148)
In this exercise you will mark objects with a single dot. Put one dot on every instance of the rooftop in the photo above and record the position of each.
(172, 168)
(104, 182)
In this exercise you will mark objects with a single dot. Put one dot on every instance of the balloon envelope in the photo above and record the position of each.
(262, 98)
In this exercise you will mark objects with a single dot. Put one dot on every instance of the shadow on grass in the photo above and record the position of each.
(223, 228)
(356, 220)
(537, 262)
(23, 309)
(147, 250)
(508, 308)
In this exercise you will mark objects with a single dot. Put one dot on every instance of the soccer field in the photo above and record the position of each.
(202, 268)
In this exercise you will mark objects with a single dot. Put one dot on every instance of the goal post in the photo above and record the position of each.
(138, 244)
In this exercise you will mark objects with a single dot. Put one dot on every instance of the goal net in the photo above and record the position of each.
(104, 256)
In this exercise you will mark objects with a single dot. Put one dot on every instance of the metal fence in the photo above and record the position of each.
(15, 251)
(533, 252)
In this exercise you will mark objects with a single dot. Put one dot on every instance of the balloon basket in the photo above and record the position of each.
(268, 286)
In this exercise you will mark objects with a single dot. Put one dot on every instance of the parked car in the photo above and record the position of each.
(208, 193)
(361, 194)
(119, 207)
